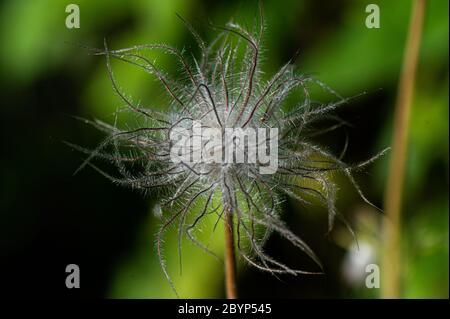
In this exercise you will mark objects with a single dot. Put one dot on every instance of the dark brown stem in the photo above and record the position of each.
(230, 259)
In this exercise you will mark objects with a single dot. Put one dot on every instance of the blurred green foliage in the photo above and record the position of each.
(333, 43)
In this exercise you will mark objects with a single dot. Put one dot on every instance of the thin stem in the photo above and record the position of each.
(393, 197)
(230, 260)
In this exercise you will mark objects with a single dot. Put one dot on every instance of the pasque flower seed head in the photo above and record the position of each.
(221, 90)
